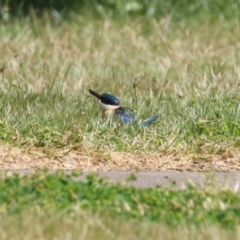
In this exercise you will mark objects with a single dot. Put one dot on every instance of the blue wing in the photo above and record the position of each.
(148, 121)
(125, 115)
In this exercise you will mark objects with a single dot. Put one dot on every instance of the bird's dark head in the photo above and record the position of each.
(109, 99)
(106, 100)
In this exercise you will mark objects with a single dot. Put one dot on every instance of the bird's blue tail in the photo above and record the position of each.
(128, 117)
(147, 122)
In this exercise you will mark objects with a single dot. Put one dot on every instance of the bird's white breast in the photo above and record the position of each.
(107, 110)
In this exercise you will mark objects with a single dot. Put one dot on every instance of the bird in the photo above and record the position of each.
(110, 106)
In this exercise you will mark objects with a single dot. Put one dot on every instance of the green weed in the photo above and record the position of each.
(45, 193)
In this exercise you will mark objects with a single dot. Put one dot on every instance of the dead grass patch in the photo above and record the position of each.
(13, 158)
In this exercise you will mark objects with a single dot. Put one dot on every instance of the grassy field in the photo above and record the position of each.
(186, 72)
(182, 67)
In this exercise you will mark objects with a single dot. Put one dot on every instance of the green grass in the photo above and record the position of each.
(185, 73)
(58, 121)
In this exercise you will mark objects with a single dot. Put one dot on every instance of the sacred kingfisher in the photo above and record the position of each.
(110, 106)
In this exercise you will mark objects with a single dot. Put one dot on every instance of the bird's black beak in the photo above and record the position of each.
(95, 94)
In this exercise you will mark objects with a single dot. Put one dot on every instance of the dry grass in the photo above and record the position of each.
(89, 226)
(12, 158)
(160, 56)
